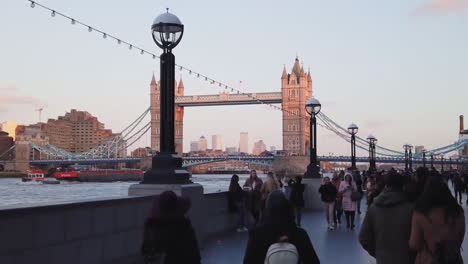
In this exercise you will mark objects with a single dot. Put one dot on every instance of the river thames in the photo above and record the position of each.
(14, 192)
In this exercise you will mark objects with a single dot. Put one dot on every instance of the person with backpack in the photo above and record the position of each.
(169, 237)
(386, 228)
(277, 239)
(438, 225)
(328, 193)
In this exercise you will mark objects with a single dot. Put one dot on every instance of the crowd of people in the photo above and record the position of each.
(411, 218)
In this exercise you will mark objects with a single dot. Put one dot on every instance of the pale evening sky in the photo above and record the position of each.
(398, 69)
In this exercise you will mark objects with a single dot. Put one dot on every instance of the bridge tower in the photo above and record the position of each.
(296, 89)
(155, 111)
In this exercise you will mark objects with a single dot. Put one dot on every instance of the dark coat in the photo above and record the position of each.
(297, 194)
(262, 237)
(328, 192)
(235, 195)
(386, 228)
(173, 235)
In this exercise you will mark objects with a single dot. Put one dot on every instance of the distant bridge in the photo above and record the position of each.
(259, 160)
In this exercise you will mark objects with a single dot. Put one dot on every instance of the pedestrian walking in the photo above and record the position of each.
(386, 228)
(459, 187)
(358, 180)
(347, 188)
(438, 225)
(236, 200)
(278, 237)
(328, 192)
(169, 237)
(297, 198)
(253, 186)
(338, 211)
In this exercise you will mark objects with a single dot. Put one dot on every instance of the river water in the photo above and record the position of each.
(14, 192)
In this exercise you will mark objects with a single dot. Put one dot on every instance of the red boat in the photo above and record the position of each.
(67, 175)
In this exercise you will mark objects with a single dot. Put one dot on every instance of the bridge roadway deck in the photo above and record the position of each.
(333, 247)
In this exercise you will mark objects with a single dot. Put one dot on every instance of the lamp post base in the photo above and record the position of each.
(166, 169)
(313, 171)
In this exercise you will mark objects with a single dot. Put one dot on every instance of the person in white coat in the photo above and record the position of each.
(347, 187)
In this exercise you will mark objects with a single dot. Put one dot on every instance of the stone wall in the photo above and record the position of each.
(95, 231)
(291, 165)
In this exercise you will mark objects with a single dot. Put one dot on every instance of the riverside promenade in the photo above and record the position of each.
(333, 247)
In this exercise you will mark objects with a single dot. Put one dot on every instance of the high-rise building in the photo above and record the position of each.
(76, 132)
(194, 146)
(10, 127)
(231, 150)
(6, 146)
(216, 142)
(202, 144)
(155, 111)
(272, 149)
(418, 149)
(296, 88)
(259, 147)
(244, 142)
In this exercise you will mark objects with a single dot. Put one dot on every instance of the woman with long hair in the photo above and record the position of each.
(438, 224)
(347, 187)
(253, 186)
(278, 225)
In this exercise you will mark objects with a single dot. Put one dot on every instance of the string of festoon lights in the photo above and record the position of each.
(152, 55)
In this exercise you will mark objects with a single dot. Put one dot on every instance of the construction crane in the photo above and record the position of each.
(40, 113)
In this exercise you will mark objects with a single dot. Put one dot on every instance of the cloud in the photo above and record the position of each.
(441, 7)
(9, 88)
(13, 100)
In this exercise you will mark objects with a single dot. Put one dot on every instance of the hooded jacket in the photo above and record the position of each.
(386, 228)
(174, 236)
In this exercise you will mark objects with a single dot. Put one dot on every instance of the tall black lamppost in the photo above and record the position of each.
(167, 31)
(353, 129)
(410, 157)
(432, 161)
(424, 158)
(450, 164)
(372, 141)
(442, 164)
(313, 107)
(406, 147)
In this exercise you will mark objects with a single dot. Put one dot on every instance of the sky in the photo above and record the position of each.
(398, 69)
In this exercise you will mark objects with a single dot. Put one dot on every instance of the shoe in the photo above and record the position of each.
(331, 227)
(352, 227)
(239, 230)
(245, 229)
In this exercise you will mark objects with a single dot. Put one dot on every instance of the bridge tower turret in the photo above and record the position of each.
(296, 89)
(155, 111)
(179, 120)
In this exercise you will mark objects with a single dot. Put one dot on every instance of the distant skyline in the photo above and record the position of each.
(398, 69)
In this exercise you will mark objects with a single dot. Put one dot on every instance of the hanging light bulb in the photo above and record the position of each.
(180, 68)
(154, 57)
(198, 75)
(119, 41)
(73, 21)
(190, 72)
(53, 13)
(130, 46)
(33, 4)
(206, 78)
(142, 52)
(104, 35)
(90, 29)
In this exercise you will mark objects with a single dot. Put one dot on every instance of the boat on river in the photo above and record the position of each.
(34, 176)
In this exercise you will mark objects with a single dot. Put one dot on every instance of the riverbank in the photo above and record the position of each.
(8, 174)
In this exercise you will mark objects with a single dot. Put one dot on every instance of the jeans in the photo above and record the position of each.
(329, 212)
(338, 212)
(350, 218)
